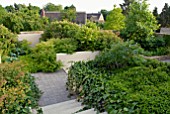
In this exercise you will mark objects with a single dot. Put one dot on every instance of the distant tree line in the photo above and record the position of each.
(19, 17)
(164, 17)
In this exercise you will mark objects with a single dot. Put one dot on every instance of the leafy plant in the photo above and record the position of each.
(60, 29)
(18, 91)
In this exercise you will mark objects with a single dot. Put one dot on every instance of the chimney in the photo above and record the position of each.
(42, 13)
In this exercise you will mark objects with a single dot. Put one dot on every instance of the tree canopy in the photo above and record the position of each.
(53, 7)
(115, 20)
(140, 22)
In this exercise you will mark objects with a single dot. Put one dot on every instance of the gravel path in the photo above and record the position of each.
(53, 87)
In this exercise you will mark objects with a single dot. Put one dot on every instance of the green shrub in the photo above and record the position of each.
(18, 91)
(66, 45)
(7, 40)
(121, 81)
(86, 38)
(140, 90)
(42, 58)
(60, 29)
(105, 39)
(119, 55)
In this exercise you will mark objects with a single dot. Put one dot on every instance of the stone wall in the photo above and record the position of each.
(32, 37)
(68, 59)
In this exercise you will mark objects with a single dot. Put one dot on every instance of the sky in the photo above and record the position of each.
(90, 6)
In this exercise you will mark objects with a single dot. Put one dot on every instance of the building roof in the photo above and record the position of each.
(95, 17)
(80, 16)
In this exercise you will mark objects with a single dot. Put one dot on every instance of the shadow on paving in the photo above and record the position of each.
(53, 86)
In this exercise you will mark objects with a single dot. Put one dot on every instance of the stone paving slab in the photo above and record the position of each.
(53, 86)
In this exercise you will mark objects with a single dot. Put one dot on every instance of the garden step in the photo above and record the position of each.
(67, 107)
(90, 111)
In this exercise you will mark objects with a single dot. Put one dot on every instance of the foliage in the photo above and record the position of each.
(125, 6)
(53, 7)
(164, 16)
(22, 48)
(18, 92)
(119, 55)
(69, 13)
(60, 29)
(105, 13)
(66, 45)
(86, 38)
(158, 45)
(115, 20)
(140, 23)
(7, 41)
(92, 25)
(106, 39)
(42, 58)
(13, 20)
(135, 86)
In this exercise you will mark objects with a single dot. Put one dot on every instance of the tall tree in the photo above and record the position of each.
(165, 16)
(53, 7)
(115, 20)
(140, 23)
(69, 13)
(104, 13)
(125, 6)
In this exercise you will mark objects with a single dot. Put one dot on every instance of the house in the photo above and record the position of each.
(95, 17)
(81, 17)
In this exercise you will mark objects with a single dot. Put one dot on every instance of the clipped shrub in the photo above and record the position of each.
(86, 38)
(66, 45)
(105, 39)
(18, 91)
(60, 29)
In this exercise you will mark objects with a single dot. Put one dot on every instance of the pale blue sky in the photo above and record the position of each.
(84, 5)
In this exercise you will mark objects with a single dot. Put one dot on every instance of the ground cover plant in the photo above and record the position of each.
(18, 91)
(121, 81)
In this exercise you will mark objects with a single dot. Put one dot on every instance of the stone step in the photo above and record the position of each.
(71, 105)
(90, 111)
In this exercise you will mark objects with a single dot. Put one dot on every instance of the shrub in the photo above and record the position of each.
(42, 58)
(18, 91)
(140, 90)
(121, 81)
(119, 55)
(86, 38)
(106, 39)
(66, 45)
(7, 40)
(60, 29)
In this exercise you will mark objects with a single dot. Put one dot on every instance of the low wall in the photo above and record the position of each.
(32, 37)
(68, 59)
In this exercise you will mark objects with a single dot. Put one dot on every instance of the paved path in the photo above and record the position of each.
(53, 87)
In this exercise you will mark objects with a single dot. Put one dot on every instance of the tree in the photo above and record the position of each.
(104, 13)
(140, 23)
(10, 8)
(165, 16)
(125, 6)
(155, 12)
(69, 13)
(2, 13)
(53, 7)
(115, 20)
